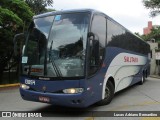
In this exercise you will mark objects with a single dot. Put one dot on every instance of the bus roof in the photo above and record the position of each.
(65, 11)
(83, 10)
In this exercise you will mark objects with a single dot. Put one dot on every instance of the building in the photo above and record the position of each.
(153, 46)
(148, 29)
(153, 67)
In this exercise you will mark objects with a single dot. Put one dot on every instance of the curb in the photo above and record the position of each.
(9, 85)
(158, 77)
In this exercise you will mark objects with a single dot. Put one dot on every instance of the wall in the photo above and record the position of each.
(153, 68)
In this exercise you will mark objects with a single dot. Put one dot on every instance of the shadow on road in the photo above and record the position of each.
(60, 111)
(52, 110)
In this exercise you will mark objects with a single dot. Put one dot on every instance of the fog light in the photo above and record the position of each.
(23, 86)
(73, 90)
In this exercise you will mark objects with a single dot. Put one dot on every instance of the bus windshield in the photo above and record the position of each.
(57, 51)
(33, 58)
(67, 45)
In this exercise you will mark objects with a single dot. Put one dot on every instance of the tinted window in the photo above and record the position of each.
(97, 46)
(113, 30)
(99, 29)
(117, 36)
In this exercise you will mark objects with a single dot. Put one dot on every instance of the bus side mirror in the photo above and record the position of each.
(94, 48)
(18, 38)
(96, 51)
(93, 41)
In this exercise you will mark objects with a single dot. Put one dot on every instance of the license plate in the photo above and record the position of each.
(44, 99)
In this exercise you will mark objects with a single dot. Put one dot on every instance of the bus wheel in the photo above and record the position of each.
(109, 93)
(142, 79)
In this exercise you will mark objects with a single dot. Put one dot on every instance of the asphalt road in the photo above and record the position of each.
(144, 97)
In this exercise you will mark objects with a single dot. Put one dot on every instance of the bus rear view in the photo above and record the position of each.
(65, 62)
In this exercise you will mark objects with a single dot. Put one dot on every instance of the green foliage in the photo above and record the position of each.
(153, 5)
(50, 10)
(8, 18)
(19, 7)
(146, 37)
(13, 15)
(39, 6)
(137, 33)
(22, 9)
(155, 34)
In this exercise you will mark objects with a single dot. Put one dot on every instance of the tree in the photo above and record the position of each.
(50, 10)
(39, 6)
(155, 34)
(137, 33)
(13, 15)
(154, 5)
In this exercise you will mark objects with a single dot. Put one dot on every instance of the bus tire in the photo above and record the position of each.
(142, 79)
(109, 94)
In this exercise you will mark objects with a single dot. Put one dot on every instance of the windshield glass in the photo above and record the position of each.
(67, 45)
(35, 49)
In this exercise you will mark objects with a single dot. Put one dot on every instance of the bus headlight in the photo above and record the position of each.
(73, 90)
(23, 86)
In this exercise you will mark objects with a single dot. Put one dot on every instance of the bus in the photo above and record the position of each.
(77, 58)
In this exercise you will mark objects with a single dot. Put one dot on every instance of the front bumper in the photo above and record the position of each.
(70, 100)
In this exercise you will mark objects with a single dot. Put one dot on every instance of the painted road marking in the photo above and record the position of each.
(150, 118)
(90, 118)
(9, 85)
(135, 105)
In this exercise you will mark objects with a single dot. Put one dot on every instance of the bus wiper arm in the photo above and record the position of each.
(56, 69)
(29, 69)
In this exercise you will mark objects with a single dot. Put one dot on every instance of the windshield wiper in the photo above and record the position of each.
(56, 69)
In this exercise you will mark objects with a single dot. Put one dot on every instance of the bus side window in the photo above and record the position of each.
(97, 46)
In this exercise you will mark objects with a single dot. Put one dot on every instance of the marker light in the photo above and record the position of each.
(23, 86)
(73, 90)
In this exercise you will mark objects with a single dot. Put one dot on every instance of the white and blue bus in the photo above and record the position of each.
(77, 58)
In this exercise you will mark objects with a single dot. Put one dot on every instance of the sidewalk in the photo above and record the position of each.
(154, 76)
